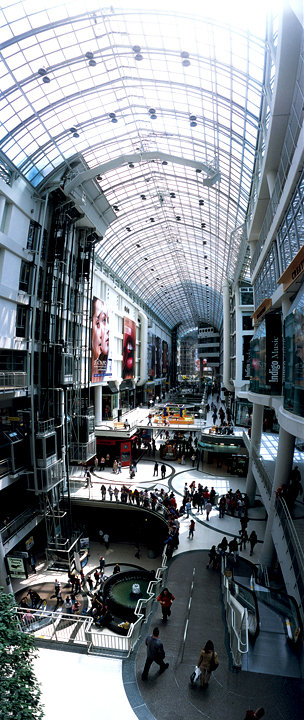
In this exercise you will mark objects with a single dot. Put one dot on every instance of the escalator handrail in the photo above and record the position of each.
(277, 592)
(236, 582)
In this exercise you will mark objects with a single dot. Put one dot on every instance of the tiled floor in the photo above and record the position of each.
(101, 692)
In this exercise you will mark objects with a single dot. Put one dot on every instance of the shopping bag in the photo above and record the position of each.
(195, 675)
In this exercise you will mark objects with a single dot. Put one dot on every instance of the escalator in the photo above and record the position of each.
(274, 625)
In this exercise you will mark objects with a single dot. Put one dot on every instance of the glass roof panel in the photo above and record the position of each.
(201, 76)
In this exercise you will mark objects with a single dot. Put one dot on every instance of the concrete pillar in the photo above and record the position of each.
(271, 178)
(5, 581)
(98, 405)
(226, 337)
(2, 206)
(256, 432)
(281, 476)
(238, 340)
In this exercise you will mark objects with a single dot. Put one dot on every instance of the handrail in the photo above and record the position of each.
(47, 625)
(252, 593)
(5, 467)
(267, 480)
(9, 380)
(19, 522)
(237, 645)
(295, 550)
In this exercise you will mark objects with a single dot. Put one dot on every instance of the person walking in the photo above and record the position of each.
(166, 599)
(102, 463)
(208, 508)
(155, 653)
(191, 529)
(155, 469)
(102, 563)
(207, 662)
(33, 563)
(106, 538)
(253, 541)
(188, 507)
(163, 470)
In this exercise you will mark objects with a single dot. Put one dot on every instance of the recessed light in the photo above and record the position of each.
(114, 120)
(92, 63)
(89, 55)
(112, 115)
(138, 57)
(152, 111)
(186, 63)
(46, 79)
(42, 71)
(72, 130)
(76, 134)
(153, 117)
(192, 118)
(184, 54)
(136, 48)
(193, 124)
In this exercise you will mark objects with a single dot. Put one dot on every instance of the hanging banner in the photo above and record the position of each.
(101, 345)
(274, 352)
(246, 357)
(129, 347)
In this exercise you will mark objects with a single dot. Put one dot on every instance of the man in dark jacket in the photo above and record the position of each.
(155, 653)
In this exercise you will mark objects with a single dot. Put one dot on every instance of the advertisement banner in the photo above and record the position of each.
(158, 358)
(165, 358)
(101, 342)
(246, 357)
(129, 347)
(274, 352)
(151, 355)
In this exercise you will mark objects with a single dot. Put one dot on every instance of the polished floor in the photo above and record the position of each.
(86, 686)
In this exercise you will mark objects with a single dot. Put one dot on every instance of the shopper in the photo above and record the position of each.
(166, 599)
(191, 529)
(155, 653)
(207, 662)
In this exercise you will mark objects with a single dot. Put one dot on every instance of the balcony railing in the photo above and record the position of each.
(19, 522)
(266, 479)
(5, 467)
(13, 381)
(296, 552)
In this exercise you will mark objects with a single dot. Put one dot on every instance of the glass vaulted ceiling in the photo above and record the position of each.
(110, 82)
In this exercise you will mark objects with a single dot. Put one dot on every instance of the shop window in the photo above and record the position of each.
(24, 277)
(21, 315)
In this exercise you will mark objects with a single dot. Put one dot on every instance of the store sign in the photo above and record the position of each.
(293, 271)
(29, 542)
(16, 567)
(274, 352)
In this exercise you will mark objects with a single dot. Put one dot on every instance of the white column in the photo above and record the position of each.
(98, 405)
(271, 178)
(2, 206)
(282, 472)
(256, 432)
(226, 337)
(238, 340)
